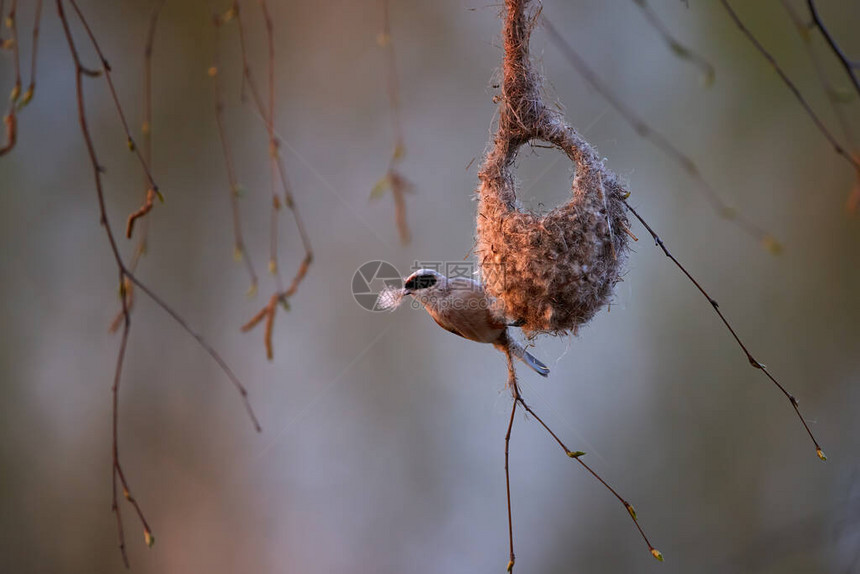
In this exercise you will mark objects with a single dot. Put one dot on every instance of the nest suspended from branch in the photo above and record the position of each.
(550, 273)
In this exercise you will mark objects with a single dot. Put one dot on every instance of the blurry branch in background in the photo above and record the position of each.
(152, 190)
(31, 88)
(266, 113)
(393, 179)
(850, 67)
(717, 204)
(240, 252)
(752, 361)
(11, 44)
(837, 99)
(17, 101)
(125, 276)
(146, 152)
(838, 148)
(675, 46)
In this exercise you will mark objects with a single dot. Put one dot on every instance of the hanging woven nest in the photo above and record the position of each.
(550, 273)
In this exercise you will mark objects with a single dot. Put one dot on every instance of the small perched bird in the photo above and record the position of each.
(461, 306)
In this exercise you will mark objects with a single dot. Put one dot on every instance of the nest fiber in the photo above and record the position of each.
(551, 273)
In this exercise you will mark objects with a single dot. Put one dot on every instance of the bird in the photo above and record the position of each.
(461, 305)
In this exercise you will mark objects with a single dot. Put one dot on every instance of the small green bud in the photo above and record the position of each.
(631, 510)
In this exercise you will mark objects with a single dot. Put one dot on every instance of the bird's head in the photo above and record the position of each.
(424, 281)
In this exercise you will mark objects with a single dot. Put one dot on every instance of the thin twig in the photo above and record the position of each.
(267, 115)
(10, 119)
(132, 146)
(273, 145)
(717, 204)
(838, 148)
(752, 361)
(850, 68)
(201, 340)
(239, 249)
(575, 455)
(515, 392)
(674, 45)
(146, 124)
(125, 277)
(12, 24)
(97, 172)
(835, 103)
(803, 30)
(146, 150)
(393, 179)
(31, 88)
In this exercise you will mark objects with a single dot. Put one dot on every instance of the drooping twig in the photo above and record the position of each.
(837, 147)
(644, 130)
(146, 125)
(97, 171)
(10, 120)
(239, 250)
(31, 88)
(153, 190)
(119, 479)
(836, 103)
(752, 360)
(515, 392)
(850, 67)
(146, 151)
(393, 179)
(575, 455)
(281, 295)
(677, 48)
(803, 29)
(273, 144)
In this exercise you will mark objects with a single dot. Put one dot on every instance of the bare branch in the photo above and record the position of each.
(677, 48)
(267, 115)
(837, 147)
(393, 179)
(10, 120)
(752, 361)
(239, 249)
(850, 68)
(126, 277)
(106, 70)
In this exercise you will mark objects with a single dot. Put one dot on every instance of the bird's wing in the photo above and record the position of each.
(448, 328)
(482, 302)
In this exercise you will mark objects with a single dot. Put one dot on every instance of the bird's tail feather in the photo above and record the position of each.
(519, 352)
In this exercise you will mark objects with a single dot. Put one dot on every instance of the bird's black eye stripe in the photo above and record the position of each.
(420, 282)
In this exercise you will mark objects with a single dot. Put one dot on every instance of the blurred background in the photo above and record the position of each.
(382, 444)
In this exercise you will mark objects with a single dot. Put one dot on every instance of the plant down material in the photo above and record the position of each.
(550, 273)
